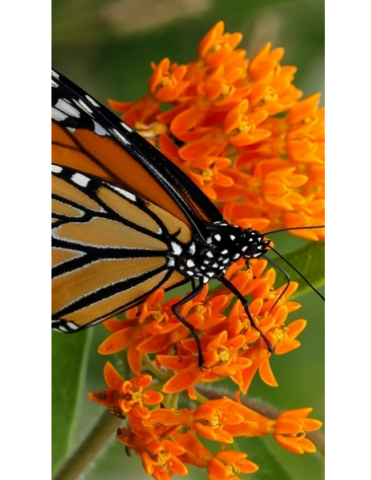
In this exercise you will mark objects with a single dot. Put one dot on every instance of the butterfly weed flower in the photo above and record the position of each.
(157, 429)
(240, 130)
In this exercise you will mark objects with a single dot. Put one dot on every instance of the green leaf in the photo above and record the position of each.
(309, 260)
(269, 466)
(69, 363)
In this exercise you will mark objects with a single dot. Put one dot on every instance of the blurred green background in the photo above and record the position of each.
(106, 47)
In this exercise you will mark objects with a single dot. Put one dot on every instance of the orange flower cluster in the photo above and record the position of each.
(239, 130)
(157, 342)
(168, 439)
(231, 347)
(224, 131)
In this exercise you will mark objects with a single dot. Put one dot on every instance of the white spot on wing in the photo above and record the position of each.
(177, 249)
(170, 262)
(72, 326)
(217, 237)
(120, 136)
(66, 107)
(91, 100)
(192, 249)
(57, 115)
(129, 129)
(80, 179)
(84, 106)
(99, 129)
(124, 193)
(56, 168)
(55, 74)
(190, 263)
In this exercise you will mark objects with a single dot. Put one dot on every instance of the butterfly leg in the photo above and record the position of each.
(245, 305)
(192, 294)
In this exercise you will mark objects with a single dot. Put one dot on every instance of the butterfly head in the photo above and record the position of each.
(253, 244)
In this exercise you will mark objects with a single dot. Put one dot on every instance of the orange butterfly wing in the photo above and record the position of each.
(121, 212)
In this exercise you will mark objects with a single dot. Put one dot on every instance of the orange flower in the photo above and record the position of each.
(195, 453)
(226, 464)
(222, 465)
(166, 82)
(161, 460)
(209, 420)
(221, 359)
(291, 427)
(147, 324)
(124, 396)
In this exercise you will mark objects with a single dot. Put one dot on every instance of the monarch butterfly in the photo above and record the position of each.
(126, 220)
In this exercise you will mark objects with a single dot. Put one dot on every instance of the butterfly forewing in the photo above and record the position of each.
(86, 136)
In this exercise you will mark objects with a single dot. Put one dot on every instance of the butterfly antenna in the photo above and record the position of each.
(297, 271)
(282, 270)
(294, 228)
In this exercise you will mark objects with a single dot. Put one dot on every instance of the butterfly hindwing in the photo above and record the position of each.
(110, 248)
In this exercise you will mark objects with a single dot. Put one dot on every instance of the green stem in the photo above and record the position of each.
(154, 370)
(94, 442)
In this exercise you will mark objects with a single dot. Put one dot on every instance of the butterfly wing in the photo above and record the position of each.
(110, 249)
(88, 137)
(118, 206)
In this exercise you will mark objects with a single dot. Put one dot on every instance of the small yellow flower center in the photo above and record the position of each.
(247, 126)
(280, 335)
(210, 422)
(166, 80)
(270, 426)
(162, 457)
(207, 175)
(214, 421)
(223, 356)
(137, 397)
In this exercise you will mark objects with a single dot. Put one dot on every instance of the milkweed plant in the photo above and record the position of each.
(242, 131)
